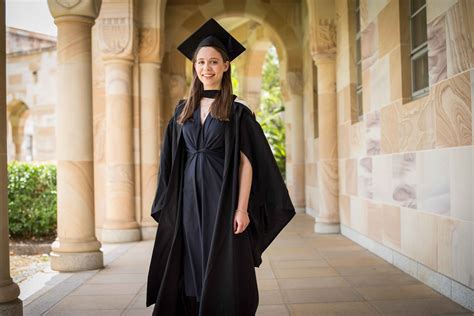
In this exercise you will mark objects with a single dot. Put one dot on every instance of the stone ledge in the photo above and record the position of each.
(23, 248)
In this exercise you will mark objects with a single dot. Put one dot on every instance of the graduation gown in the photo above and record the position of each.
(229, 285)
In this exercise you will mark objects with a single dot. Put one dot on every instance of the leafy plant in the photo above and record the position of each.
(32, 199)
(271, 109)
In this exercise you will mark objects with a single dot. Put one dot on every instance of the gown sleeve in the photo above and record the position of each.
(164, 172)
(270, 207)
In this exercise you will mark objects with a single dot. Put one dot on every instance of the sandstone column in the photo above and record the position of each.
(327, 220)
(151, 136)
(76, 247)
(295, 140)
(117, 37)
(153, 119)
(17, 114)
(18, 138)
(9, 291)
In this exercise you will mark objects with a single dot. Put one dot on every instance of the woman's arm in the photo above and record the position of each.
(245, 182)
(241, 220)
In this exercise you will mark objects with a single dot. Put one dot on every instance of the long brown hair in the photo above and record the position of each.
(221, 106)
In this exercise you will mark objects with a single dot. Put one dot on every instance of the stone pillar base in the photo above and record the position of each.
(13, 308)
(120, 235)
(9, 292)
(76, 261)
(300, 209)
(149, 232)
(327, 228)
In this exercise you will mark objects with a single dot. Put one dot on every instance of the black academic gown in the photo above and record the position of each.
(229, 285)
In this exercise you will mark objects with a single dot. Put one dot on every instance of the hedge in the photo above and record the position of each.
(32, 210)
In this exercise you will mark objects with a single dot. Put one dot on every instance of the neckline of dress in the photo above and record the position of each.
(210, 93)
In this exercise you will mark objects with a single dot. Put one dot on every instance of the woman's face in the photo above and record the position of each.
(210, 67)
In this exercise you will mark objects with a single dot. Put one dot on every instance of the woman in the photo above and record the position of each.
(220, 199)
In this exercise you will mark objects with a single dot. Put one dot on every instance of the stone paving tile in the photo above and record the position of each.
(321, 295)
(329, 243)
(343, 262)
(306, 263)
(93, 302)
(417, 307)
(139, 312)
(336, 309)
(110, 278)
(108, 289)
(267, 284)
(368, 270)
(330, 248)
(288, 256)
(304, 272)
(124, 269)
(272, 310)
(264, 273)
(138, 302)
(397, 292)
(381, 279)
(290, 250)
(86, 313)
(309, 283)
(348, 254)
(270, 297)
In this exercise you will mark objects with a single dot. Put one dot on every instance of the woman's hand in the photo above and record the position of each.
(241, 221)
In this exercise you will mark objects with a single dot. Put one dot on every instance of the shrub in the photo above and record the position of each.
(31, 199)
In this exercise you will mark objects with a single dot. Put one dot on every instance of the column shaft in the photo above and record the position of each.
(295, 152)
(76, 247)
(9, 291)
(327, 220)
(150, 132)
(120, 224)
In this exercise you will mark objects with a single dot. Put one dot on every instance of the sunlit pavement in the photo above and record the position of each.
(302, 274)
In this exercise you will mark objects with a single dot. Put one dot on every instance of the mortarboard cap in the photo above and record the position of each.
(212, 34)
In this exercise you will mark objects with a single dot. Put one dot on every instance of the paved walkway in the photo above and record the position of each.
(302, 274)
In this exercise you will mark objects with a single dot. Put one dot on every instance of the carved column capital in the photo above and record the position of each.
(149, 45)
(85, 8)
(323, 39)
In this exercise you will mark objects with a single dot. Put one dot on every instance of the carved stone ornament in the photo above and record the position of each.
(149, 45)
(115, 36)
(326, 36)
(68, 4)
(81, 8)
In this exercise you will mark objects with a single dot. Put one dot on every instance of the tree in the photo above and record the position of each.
(271, 109)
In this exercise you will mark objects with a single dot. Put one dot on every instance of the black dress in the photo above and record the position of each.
(201, 190)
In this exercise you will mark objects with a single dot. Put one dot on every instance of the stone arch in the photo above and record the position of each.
(17, 114)
(282, 35)
(283, 24)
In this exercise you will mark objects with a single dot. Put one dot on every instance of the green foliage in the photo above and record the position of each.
(271, 108)
(235, 81)
(31, 199)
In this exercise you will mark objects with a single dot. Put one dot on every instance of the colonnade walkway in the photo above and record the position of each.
(302, 274)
